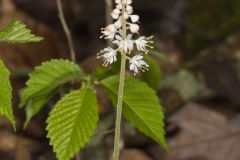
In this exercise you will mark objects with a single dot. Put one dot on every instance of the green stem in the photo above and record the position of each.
(120, 94)
(119, 108)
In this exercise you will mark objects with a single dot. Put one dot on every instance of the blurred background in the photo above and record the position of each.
(197, 47)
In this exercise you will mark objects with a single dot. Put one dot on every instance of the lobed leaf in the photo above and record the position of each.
(16, 32)
(72, 122)
(6, 94)
(140, 106)
(43, 83)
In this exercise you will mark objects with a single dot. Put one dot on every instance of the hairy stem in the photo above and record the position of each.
(120, 95)
(66, 30)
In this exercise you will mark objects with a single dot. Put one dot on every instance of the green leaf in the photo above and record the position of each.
(72, 122)
(140, 106)
(16, 32)
(101, 73)
(43, 83)
(153, 75)
(34, 105)
(6, 94)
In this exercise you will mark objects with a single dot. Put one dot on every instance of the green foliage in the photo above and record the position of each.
(186, 83)
(72, 122)
(101, 73)
(44, 81)
(6, 94)
(16, 32)
(153, 75)
(140, 106)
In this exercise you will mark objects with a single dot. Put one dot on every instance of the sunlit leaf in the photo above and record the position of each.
(141, 106)
(6, 94)
(44, 81)
(16, 32)
(72, 122)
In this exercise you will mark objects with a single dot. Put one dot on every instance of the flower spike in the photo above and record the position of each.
(126, 44)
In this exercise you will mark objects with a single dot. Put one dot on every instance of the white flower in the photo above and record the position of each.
(125, 45)
(116, 11)
(119, 6)
(121, 34)
(117, 1)
(134, 28)
(134, 18)
(118, 23)
(115, 16)
(109, 32)
(109, 56)
(127, 2)
(142, 44)
(129, 9)
(137, 63)
(125, 15)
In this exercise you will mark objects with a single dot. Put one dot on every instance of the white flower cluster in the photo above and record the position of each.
(114, 32)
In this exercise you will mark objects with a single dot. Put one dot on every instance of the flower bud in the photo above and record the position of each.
(125, 15)
(129, 9)
(129, 1)
(115, 16)
(134, 18)
(117, 1)
(118, 23)
(111, 28)
(134, 28)
(116, 11)
(119, 6)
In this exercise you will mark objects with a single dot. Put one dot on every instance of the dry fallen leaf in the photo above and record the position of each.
(134, 154)
(204, 133)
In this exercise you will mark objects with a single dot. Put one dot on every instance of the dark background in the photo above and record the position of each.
(198, 51)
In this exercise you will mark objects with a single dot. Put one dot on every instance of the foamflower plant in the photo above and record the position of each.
(124, 34)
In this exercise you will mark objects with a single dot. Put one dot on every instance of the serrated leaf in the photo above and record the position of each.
(16, 32)
(153, 75)
(72, 122)
(141, 106)
(44, 81)
(34, 105)
(6, 94)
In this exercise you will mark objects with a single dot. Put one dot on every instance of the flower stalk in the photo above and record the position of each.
(120, 94)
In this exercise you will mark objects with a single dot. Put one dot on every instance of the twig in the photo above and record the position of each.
(69, 39)
(108, 11)
(66, 30)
